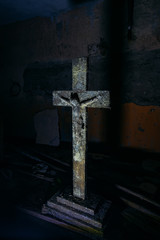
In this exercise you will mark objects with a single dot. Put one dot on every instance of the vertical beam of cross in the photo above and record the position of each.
(79, 75)
(79, 99)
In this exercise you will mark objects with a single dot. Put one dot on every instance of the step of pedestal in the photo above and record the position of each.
(89, 205)
(72, 221)
(95, 221)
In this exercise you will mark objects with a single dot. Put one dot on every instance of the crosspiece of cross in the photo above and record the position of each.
(79, 99)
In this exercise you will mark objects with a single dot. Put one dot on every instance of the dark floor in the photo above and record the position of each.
(31, 174)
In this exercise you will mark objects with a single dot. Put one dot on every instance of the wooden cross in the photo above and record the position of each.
(79, 99)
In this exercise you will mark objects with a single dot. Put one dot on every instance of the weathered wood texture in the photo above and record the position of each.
(79, 99)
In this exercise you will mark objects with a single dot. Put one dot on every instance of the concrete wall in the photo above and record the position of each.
(141, 127)
(93, 31)
(141, 102)
(40, 43)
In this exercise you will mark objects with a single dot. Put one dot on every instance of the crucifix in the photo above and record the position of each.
(80, 99)
(71, 206)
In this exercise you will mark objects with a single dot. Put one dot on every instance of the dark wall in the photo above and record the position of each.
(36, 59)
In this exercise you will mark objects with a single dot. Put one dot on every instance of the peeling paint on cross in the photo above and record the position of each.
(79, 99)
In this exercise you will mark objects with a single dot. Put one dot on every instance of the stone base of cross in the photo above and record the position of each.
(71, 206)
